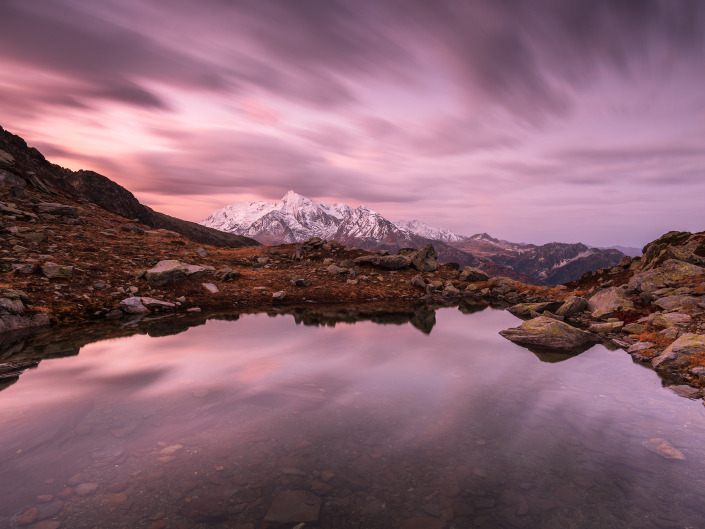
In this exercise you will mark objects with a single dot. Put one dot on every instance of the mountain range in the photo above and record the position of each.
(296, 218)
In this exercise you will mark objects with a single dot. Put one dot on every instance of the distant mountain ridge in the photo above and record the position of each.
(296, 218)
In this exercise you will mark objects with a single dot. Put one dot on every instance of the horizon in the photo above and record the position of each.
(580, 121)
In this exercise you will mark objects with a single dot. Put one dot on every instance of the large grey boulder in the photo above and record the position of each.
(548, 333)
(468, 273)
(608, 301)
(572, 306)
(166, 272)
(679, 352)
(675, 302)
(669, 273)
(393, 262)
(425, 259)
(59, 210)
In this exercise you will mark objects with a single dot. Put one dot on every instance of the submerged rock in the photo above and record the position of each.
(293, 506)
(548, 333)
(663, 448)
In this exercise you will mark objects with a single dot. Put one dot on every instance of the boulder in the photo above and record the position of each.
(166, 272)
(524, 310)
(634, 328)
(133, 305)
(55, 271)
(13, 322)
(608, 301)
(425, 259)
(472, 275)
(155, 304)
(675, 302)
(572, 306)
(59, 210)
(670, 319)
(418, 282)
(393, 262)
(680, 352)
(11, 306)
(670, 272)
(548, 333)
(602, 328)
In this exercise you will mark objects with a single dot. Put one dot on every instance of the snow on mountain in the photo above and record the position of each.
(296, 218)
(423, 229)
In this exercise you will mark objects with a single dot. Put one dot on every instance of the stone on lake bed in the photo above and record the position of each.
(548, 333)
(292, 506)
(86, 489)
(663, 448)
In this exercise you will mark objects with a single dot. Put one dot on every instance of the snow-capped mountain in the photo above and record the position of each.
(296, 218)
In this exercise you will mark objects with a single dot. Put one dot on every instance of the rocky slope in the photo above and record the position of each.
(22, 166)
(553, 263)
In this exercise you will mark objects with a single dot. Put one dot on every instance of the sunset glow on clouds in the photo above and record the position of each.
(532, 121)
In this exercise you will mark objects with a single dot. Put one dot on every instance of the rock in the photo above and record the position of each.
(22, 268)
(603, 328)
(524, 310)
(86, 489)
(418, 282)
(688, 392)
(210, 287)
(608, 301)
(201, 252)
(166, 272)
(293, 506)
(27, 517)
(670, 272)
(204, 510)
(55, 271)
(195, 272)
(279, 296)
(640, 346)
(548, 333)
(572, 306)
(472, 275)
(300, 282)
(262, 260)
(337, 270)
(133, 305)
(676, 302)
(634, 328)
(50, 509)
(227, 274)
(155, 304)
(393, 262)
(449, 291)
(11, 306)
(366, 259)
(425, 259)
(59, 210)
(33, 236)
(670, 319)
(663, 448)
(679, 352)
(671, 333)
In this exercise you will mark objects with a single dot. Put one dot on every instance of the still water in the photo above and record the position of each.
(263, 422)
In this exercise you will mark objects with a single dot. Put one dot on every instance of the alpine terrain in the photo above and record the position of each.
(296, 218)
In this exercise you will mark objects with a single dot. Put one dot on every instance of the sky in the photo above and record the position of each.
(549, 120)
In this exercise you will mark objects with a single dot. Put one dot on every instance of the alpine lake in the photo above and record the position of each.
(416, 418)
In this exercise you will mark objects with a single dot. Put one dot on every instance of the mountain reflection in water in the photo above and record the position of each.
(261, 422)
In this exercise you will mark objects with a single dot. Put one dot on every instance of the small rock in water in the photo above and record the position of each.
(27, 517)
(663, 448)
(294, 506)
(86, 489)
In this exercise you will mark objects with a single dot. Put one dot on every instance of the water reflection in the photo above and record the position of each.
(263, 422)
